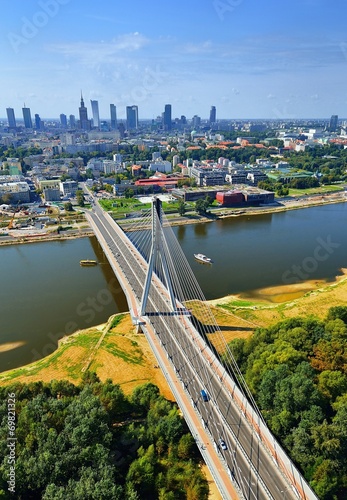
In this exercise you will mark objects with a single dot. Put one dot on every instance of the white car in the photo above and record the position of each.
(222, 444)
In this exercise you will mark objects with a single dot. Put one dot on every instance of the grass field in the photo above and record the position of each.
(316, 190)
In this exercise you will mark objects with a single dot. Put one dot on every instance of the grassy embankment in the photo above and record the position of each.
(115, 351)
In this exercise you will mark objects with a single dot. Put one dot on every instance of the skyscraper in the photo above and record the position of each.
(27, 117)
(132, 117)
(95, 111)
(11, 118)
(38, 122)
(167, 117)
(63, 120)
(213, 114)
(333, 123)
(83, 112)
(113, 111)
(72, 121)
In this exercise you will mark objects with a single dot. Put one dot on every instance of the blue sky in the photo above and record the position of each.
(249, 58)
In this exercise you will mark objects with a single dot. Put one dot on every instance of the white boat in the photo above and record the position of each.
(202, 258)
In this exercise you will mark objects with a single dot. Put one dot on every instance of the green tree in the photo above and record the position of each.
(68, 206)
(181, 208)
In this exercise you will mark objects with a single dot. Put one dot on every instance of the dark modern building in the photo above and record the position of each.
(132, 117)
(167, 118)
(11, 118)
(63, 120)
(333, 123)
(38, 122)
(72, 121)
(213, 114)
(27, 117)
(113, 113)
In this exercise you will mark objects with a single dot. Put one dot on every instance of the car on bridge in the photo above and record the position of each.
(222, 444)
(204, 395)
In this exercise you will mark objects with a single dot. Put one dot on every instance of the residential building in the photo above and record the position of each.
(50, 189)
(16, 191)
(69, 188)
(160, 166)
(256, 176)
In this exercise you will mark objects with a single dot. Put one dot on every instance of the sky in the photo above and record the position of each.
(249, 58)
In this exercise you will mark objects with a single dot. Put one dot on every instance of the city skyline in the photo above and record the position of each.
(248, 60)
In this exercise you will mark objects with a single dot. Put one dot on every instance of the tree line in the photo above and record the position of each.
(297, 371)
(93, 442)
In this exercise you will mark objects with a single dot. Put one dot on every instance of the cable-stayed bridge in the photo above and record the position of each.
(167, 304)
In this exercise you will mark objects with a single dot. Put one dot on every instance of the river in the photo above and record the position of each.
(45, 294)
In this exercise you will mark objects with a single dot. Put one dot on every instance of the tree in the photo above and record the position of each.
(68, 206)
(201, 206)
(181, 208)
(129, 193)
(80, 197)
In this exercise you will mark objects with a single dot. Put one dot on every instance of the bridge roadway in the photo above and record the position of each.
(253, 470)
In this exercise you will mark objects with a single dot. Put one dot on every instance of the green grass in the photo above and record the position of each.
(316, 190)
(116, 320)
(240, 303)
(122, 206)
(135, 357)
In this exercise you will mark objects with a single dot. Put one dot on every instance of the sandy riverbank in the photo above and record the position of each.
(281, 293)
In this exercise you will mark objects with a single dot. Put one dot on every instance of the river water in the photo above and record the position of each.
(45, 293)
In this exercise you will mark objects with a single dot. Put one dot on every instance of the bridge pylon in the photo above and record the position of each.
(157, 254)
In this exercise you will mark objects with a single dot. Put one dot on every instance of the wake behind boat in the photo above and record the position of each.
(202, 258)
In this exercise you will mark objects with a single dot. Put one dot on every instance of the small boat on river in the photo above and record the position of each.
(88, 262)
(202, 258)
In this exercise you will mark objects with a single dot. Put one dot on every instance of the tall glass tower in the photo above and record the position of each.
(27, 117)
(132, 117)
(113, 112)
(11, 118)
(95, 111)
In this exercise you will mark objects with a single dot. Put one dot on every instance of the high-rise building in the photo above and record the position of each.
(132, 117)
(11, 118)
(113, 111)
(83, 112)
(333, 123)
(72, 121)
(27, 117)
(167, 120)
(213, 114)
(95, 111)
(196, 121)
(63, 120)
(38, 122)
(121, 129)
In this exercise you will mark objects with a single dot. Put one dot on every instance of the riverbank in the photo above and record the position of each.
(19, 237)
(266, 306)
(114, 349)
